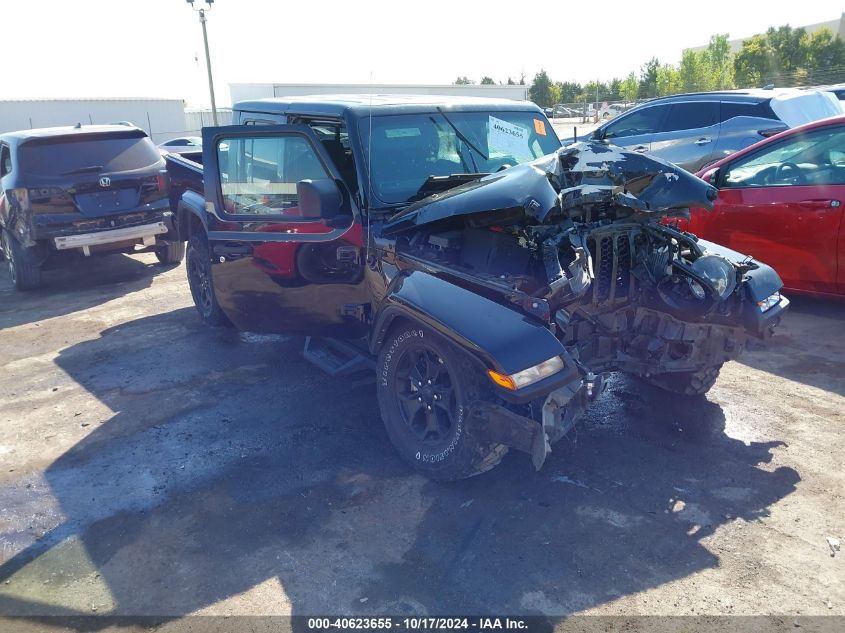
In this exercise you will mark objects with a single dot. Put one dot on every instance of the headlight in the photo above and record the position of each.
(527, 376)
(719, 273)
(769, 302)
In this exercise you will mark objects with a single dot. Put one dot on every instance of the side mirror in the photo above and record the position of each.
(597, 135)
(711, 176)
(319, 198)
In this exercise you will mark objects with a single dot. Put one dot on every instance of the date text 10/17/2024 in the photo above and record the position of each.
(417, 623)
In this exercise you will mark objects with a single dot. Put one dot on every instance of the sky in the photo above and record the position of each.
(153, 48)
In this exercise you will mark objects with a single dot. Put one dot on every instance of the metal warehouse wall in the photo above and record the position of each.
(161, 118)
(241, 92)
(195, 120)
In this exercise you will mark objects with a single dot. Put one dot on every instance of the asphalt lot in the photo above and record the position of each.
(154, 466)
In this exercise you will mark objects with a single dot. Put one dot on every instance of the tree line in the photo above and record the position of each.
(781, 56)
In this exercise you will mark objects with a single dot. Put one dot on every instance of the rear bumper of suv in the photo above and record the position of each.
(49, 229)
(144, 234)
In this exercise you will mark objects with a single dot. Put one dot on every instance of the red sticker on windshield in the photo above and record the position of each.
(540, 127)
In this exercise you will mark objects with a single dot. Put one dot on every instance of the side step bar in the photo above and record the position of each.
(337, 357)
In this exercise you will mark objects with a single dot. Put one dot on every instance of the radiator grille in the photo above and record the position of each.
(612, 267)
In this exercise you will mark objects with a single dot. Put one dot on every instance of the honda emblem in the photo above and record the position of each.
(105, 181)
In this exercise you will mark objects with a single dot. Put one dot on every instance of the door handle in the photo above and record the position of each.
(703, 140)
(820, 204)
(641, 149)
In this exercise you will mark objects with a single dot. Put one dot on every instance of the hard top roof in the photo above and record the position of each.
(361, 104)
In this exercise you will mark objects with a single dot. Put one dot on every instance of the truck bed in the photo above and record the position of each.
(185, 173)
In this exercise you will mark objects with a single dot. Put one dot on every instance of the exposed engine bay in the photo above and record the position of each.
(576, 239)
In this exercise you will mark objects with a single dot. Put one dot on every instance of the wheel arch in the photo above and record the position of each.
(501, 338)
(190, 215)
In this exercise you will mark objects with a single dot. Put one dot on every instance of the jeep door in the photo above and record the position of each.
(284, 233)
(688, 135)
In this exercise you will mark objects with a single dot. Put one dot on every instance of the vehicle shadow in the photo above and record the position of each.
(808, 346)
(74, 286)
(233, 476)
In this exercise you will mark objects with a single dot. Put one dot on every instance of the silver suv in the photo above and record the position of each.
(694, 130)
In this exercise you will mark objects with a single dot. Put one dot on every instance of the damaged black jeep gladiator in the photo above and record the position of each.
(82, 190)
(489, 276)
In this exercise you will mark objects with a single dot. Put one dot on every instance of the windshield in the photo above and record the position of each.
(89, 153)
(408, 148)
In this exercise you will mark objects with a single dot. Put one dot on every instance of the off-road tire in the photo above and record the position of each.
(198, 267)
(24, 263)
(458, 454)
(169, 253)
(688, 383)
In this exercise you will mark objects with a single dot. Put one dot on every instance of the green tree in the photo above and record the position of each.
(463, 81)
(668, 80)
(789, 47)
(569, 91)
(487, 81)
(511, 82)
(629, 88)
(540, 91)
(719, 63)
(614, 89)
(788, 57)
(826, 56)
(692, 73)
(753, 61)
(648, 78)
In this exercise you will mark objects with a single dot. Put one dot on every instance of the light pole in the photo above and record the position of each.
(202, 11)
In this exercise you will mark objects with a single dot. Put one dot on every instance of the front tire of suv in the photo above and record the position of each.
(425, 389)
(688, 383)
(198, 265)
(24, 263)
(169, 253)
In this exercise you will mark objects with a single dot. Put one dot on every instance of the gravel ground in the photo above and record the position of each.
(154, 466)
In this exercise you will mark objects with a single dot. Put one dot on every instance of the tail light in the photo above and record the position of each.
(155, 184)
(50, 200)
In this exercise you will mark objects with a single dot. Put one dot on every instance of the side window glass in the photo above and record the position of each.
(259, 175)
(812, 158)
(691, 116)
(645, 121)
(5, 160)
(730, 110)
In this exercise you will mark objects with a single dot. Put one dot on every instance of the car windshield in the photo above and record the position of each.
(409, 148)
(90, 153)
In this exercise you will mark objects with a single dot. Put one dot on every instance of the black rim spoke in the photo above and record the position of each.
(426, 395)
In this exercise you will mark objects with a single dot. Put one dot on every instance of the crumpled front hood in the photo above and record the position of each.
(575, 177)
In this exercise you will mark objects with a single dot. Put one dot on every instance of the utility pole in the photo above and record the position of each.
(207, 57)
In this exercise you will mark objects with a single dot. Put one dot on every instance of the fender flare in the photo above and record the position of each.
(190, 205)
(501, 338)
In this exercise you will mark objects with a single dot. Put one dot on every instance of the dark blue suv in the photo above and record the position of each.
(85, 190)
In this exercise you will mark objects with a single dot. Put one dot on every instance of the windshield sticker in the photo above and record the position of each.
(539, 127)
(508, 137)
(402, 132)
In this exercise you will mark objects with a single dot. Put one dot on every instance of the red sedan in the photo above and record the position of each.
(781, 201)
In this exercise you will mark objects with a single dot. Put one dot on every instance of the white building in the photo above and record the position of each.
(242, 92)
(161, 118)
